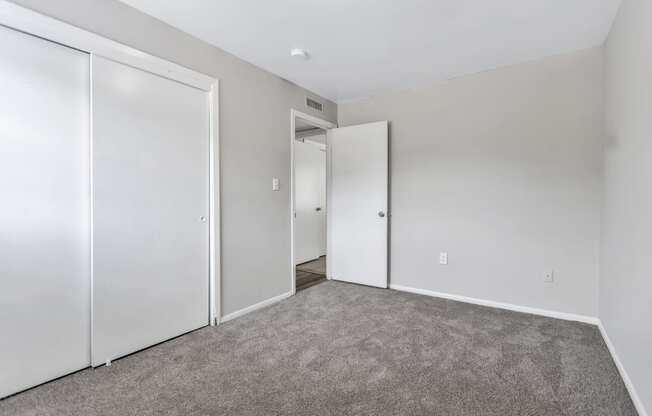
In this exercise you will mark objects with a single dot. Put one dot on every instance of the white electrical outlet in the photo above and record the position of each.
(443, 258)
(276, 184)
(549, 276)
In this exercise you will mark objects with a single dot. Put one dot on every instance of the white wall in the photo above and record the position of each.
(255, 220)
(503, 171)
(626, 268)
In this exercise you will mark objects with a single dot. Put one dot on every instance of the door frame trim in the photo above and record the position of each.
(34, 23)
(214, 213)
(326, 125)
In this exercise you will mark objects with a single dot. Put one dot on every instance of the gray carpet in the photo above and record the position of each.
(339, 349)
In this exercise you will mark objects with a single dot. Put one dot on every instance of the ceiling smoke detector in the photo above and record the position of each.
(299, 53)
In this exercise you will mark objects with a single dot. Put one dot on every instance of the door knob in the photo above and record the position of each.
(318, 209)
(381, 214)
(202, 219)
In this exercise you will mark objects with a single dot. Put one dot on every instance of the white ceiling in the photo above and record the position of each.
(360, 48)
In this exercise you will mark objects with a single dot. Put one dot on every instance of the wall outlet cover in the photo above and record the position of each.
(549, 276)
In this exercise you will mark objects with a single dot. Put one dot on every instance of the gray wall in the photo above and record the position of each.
(626, 269)
(503, 171)
(255, 142)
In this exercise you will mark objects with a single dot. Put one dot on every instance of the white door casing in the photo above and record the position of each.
(358, 204)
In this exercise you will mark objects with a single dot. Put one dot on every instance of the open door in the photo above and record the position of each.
(358, 203)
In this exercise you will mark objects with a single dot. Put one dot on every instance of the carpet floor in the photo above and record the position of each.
(340, 349)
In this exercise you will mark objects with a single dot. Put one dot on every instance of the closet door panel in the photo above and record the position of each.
(150, 209)
(44, 213)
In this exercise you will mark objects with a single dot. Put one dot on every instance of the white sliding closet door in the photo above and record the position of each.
(150, 209)
(44, 212)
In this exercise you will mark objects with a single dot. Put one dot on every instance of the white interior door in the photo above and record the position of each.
(44, 213)
(310, 225)
(150, 209)
(322, 197)
(357, 204)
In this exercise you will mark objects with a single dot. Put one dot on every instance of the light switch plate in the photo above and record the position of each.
(549, 276)
(443, 258)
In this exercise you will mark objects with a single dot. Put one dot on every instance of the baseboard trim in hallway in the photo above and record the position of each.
(511, 307)
(254, 307)
(638, 403)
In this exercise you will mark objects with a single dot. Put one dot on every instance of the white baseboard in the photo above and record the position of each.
(623, 373)
(517, 308)
(551, 314)
(508, 306)
(257, 306)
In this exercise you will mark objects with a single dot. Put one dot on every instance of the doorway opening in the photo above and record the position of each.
(309, 179)
(349, 206)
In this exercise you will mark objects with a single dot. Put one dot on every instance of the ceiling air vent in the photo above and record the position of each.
(314, 104)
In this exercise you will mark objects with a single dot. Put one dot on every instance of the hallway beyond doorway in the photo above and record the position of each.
(311, 273)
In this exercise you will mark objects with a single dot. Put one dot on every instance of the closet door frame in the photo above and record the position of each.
(25, 20)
